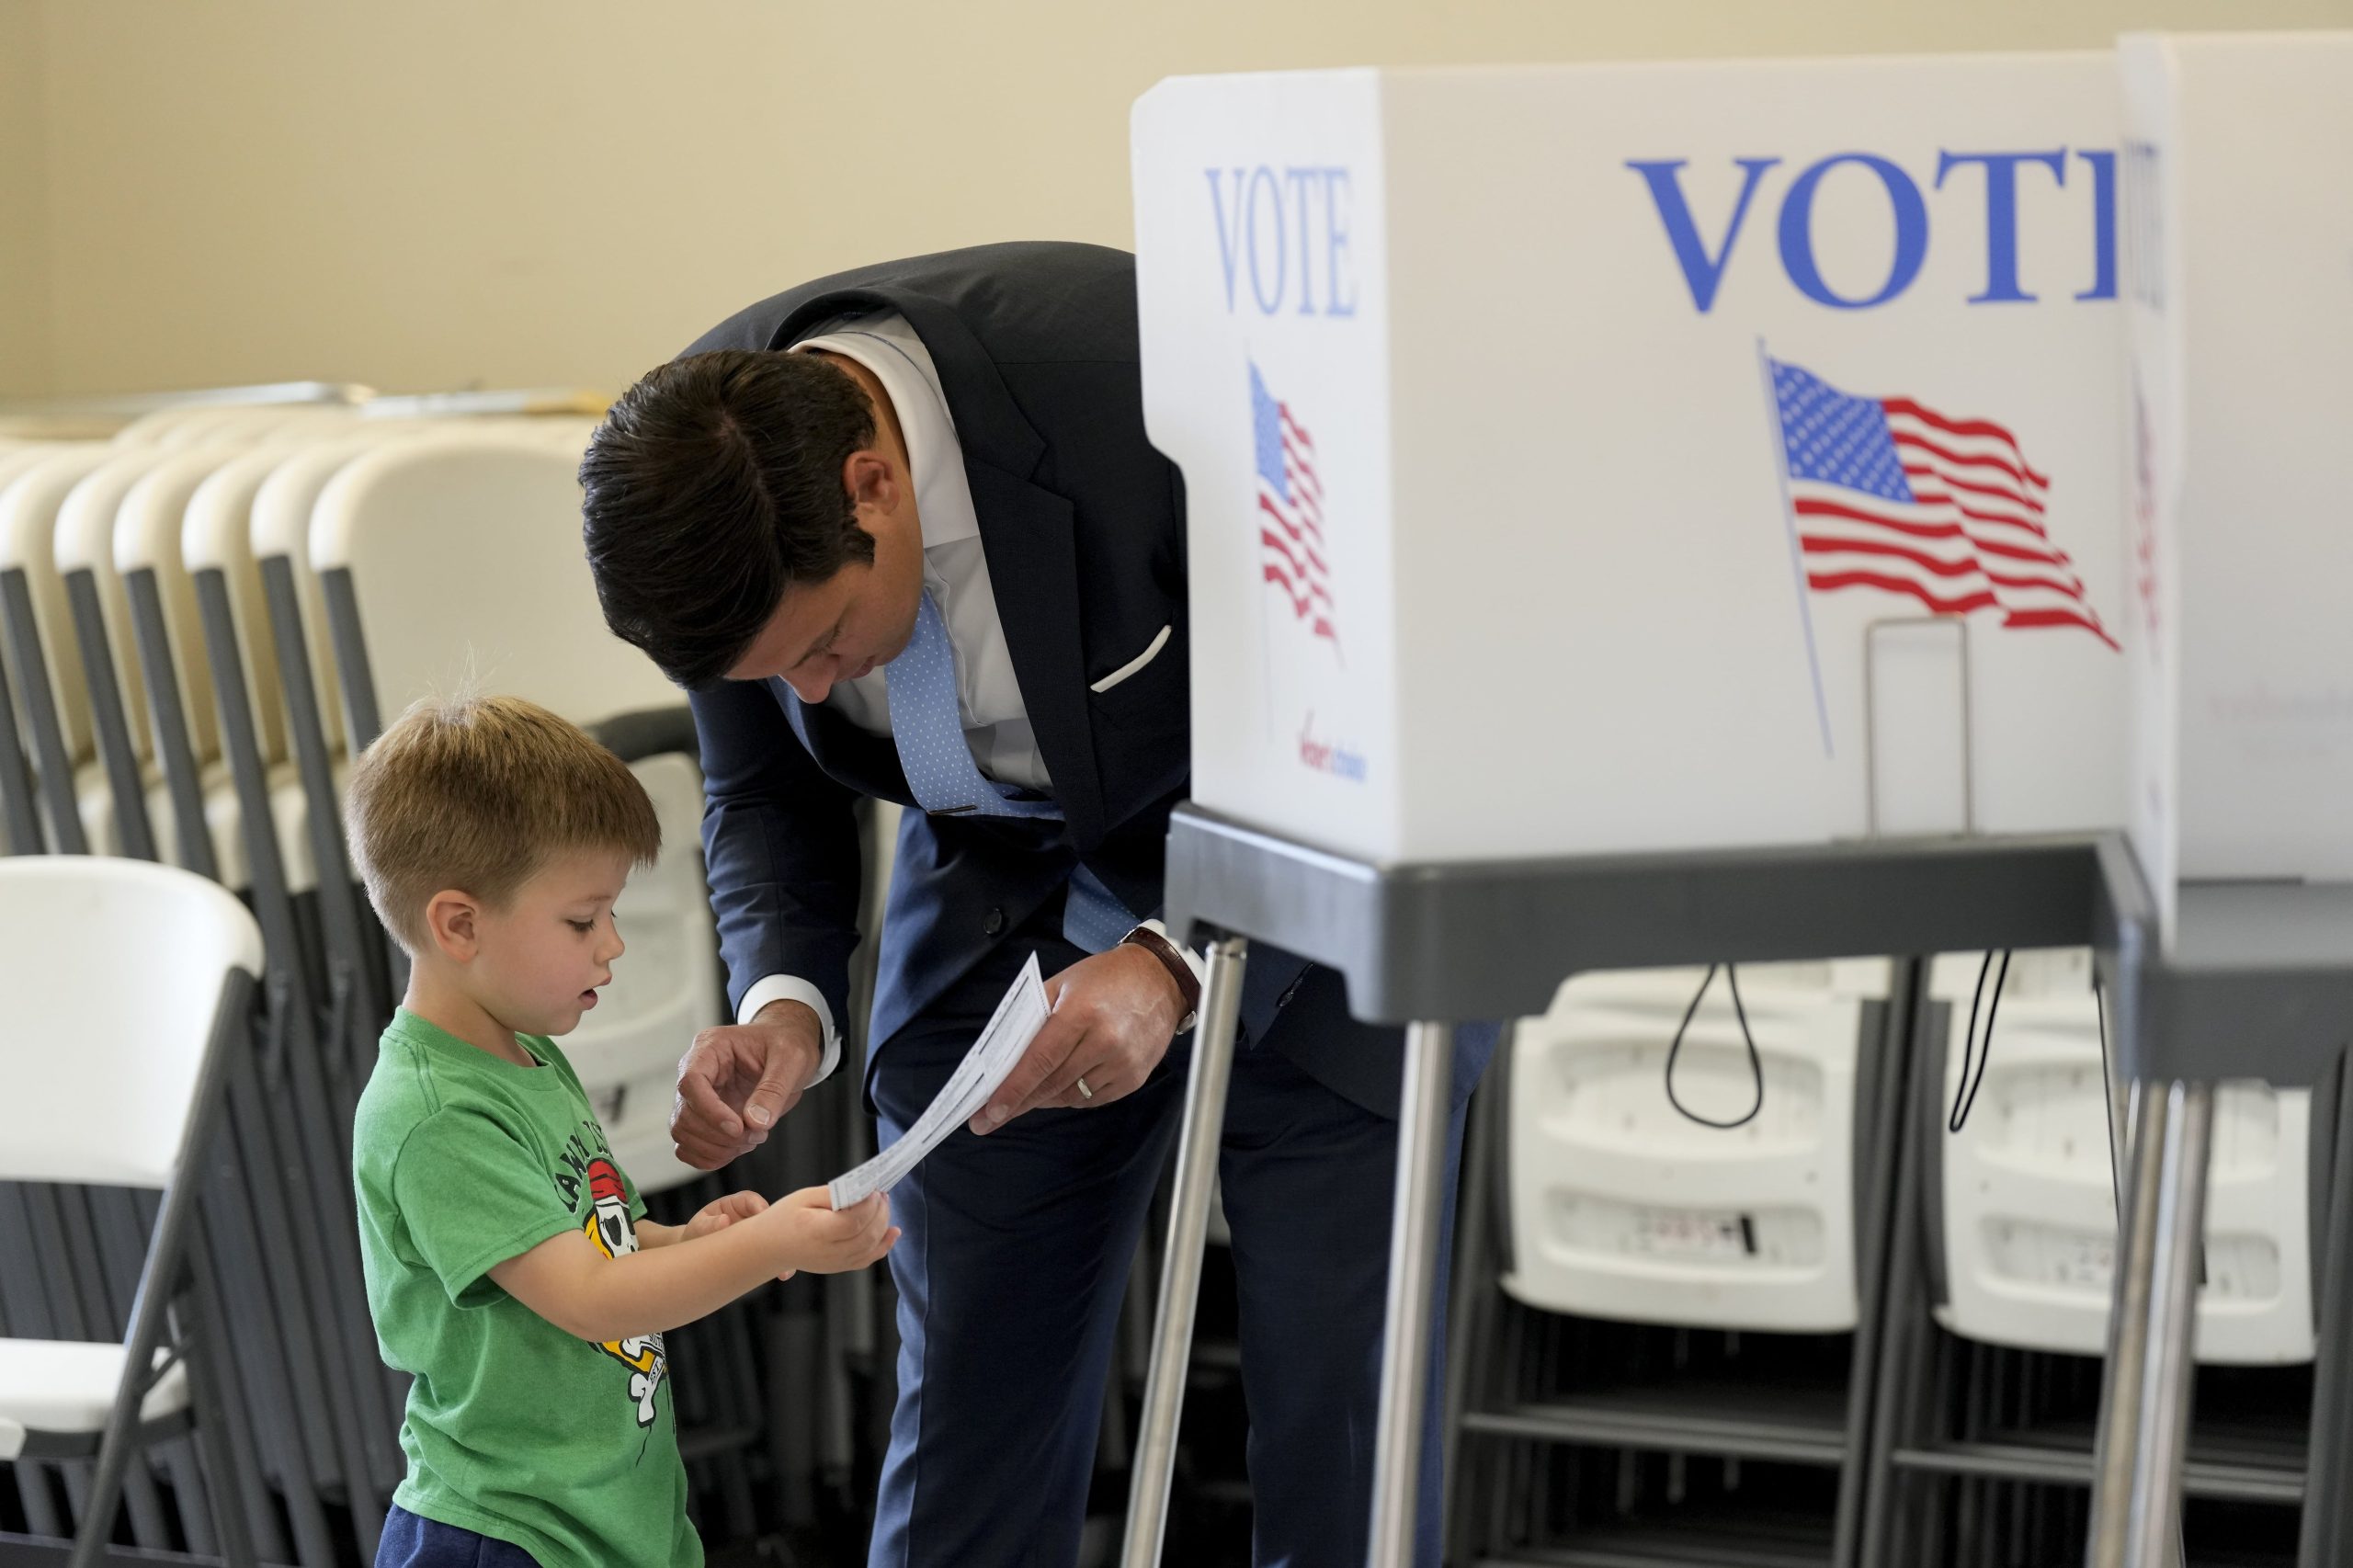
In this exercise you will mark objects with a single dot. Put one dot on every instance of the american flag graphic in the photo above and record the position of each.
(1890, 494)
(1291, 511)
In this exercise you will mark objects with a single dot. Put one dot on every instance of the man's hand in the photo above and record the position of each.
(736, 1081)
(1114, 1015)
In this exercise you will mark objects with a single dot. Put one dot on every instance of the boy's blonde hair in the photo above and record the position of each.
(477, 793)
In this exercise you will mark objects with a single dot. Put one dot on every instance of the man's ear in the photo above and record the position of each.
(453, 923)
(871, 479)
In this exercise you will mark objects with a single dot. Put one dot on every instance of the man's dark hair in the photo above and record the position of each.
(712, 485)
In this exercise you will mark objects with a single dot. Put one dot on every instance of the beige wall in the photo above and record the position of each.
(435, 193)
(23, 236)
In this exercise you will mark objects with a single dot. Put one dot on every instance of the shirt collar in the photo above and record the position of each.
(888, 347)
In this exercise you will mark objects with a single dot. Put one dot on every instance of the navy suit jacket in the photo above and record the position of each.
(1082, 522)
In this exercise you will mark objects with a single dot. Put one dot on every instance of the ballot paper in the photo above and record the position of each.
(1018, 1018)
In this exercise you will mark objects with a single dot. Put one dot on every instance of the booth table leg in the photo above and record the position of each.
(1180, 1275)
(1413, 1275)
(2145, 1406)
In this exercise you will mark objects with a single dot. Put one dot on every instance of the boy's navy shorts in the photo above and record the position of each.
(409, 1541)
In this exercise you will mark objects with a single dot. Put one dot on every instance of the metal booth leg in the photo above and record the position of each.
(1180, 1275)
(2144, 1405)
(1422, 1117)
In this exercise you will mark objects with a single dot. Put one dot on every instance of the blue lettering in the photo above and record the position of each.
(2002, 214)
(1701, 271)
(1911, 214)
(1228, 235)
(1299, 180)
(1335, 236)
(2103, 225)
(1263, 179)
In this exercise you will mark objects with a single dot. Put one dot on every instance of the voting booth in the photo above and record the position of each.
(1596, 459)
(1638, 516)
(2240, 389)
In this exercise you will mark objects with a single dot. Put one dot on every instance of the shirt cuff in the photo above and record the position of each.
(1193, 960)
(793, 988)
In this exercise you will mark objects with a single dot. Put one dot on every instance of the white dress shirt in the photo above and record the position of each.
(996, 721)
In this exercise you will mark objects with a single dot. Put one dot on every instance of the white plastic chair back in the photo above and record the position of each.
(282, 531)
(217, 535)
(28, 509)
(2029, 1207)
(85, 543)
(1623, 1207)
(465, 565)
(152, 429)
(147, 538)
(244, 423)
(101, 1073)
(520, 615)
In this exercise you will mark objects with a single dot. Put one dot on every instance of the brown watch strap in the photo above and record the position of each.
(1172, 961)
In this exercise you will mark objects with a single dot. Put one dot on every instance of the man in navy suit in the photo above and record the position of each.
(901, 535)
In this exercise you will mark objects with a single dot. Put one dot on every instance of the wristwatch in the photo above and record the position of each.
(1189, 984)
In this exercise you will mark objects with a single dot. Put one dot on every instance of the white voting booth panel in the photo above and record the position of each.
(2030, 1215)
(1623, 1207)
(1644, 457)
(2240, 390)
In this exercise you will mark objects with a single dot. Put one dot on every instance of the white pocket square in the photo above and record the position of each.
(1132, 665)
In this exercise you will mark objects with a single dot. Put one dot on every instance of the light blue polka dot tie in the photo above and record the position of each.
(928, 726)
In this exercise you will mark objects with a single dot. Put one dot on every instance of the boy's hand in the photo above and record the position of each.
(816, 1237)
(738, 1081)
(717, 1216)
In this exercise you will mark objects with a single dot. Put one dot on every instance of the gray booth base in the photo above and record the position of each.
(1486, 940)
(2251, 989)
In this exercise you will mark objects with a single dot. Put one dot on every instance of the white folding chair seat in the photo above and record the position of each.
(1623, 1207)
(66, 1388)
(460, 558)
(2027, 1211)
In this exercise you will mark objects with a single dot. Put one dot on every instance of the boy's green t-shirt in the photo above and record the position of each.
(515, 1430)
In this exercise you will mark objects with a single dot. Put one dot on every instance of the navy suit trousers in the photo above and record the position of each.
(1015, 1257)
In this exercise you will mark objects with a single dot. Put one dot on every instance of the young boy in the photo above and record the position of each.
(509, 1267)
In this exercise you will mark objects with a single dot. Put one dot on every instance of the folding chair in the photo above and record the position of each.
(20, 829)
(160, 600)
(316, 1312)
(122, 1085)
(2023, 1205)
(49, 687)
(101, 621)
(456, 556)
(358, 998)
(1623, 1207)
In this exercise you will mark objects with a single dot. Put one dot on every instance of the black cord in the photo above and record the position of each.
(1755, 1063)
(1965, 1092)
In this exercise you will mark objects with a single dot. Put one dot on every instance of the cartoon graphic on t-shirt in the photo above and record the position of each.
(610, 1228)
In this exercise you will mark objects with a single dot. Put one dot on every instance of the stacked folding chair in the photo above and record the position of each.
(1997, 1313)
(202, 619)
(1672, 1236)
